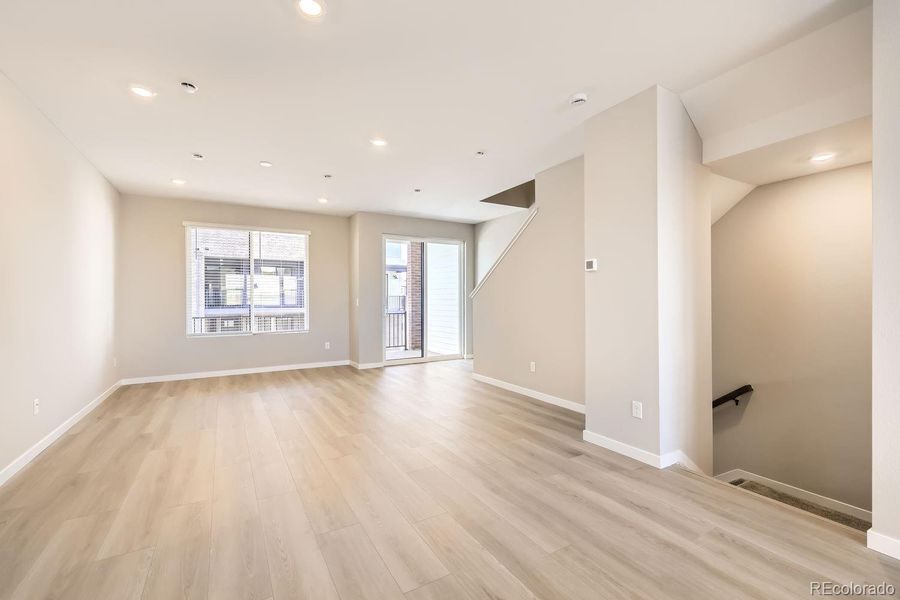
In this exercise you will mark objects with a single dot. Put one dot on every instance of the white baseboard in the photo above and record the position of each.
(678, 457)
(561, 402)
(30, 454)
(363, 366)
(786, 488)
(883, 543)
(660, 461)
(648, 458)
(230, 372)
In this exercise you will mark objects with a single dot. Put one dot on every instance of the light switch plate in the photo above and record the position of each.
(590, 264)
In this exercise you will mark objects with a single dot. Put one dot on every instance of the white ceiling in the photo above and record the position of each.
(850, 142)
(814, 83)
(439, 80)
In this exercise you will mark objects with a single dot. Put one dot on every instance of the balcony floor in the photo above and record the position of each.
(400, 354)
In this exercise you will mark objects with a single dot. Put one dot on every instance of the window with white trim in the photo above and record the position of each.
(244, 281)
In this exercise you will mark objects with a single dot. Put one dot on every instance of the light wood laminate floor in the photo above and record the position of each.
(409, 482)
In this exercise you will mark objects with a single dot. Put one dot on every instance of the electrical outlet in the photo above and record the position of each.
(328, 345)
(637, 410)
(531, 367)
(37, 406)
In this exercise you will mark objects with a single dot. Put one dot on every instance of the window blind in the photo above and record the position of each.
(244, 281)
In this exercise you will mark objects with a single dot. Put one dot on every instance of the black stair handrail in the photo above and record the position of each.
(735, 395)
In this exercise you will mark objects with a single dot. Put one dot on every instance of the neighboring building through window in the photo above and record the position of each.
(243, 281)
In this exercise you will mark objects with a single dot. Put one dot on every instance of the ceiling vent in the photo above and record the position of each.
(578, 99)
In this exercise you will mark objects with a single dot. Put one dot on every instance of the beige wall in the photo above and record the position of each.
(354, 288)
(647, 309)
(621, 319)
(367, 302)
(792, 317)
(491, 239)
(151, 291)
(532, 306)
(886, 278)
(57, 257)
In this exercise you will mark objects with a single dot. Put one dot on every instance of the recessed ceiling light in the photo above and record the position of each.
(265, 163)
(197, 156)
(139, 90)
(378, 142)
(822, 157)
(179, 181)
(323, 200)
(188, 87)
(311, 8)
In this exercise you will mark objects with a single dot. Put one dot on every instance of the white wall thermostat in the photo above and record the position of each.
(590, 264)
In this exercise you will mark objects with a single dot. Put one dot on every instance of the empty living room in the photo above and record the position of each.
(476, 300)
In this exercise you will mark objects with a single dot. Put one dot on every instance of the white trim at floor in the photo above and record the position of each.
(363, 366)
(786, 488)
(883, 543)
(660, 461)
(229, 372)
(30, 454)
(648, 458)
(677, 457)
(561, 402)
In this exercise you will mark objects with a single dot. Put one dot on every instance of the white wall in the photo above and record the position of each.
(151, 291)
(367, 266)
(531, 308)
(885, 533)
(57, 257)
(792, 310)
(647, 313)
(685, 310)
(491, 239)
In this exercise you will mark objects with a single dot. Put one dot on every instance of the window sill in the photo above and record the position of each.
(191, 336)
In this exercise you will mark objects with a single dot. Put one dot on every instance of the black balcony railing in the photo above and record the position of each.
(396, 304)
(395, 330)
(240, 323)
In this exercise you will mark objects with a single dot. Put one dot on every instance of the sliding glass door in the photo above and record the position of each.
(423, 299)
(443, 299)
(403, 299)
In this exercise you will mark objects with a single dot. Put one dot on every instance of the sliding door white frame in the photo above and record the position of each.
(462, 297)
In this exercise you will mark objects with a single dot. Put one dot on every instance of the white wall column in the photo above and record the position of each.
(885, 533)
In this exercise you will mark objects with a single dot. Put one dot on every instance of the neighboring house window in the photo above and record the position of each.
(242, 281)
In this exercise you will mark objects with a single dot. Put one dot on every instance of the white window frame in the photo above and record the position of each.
(188, 247)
